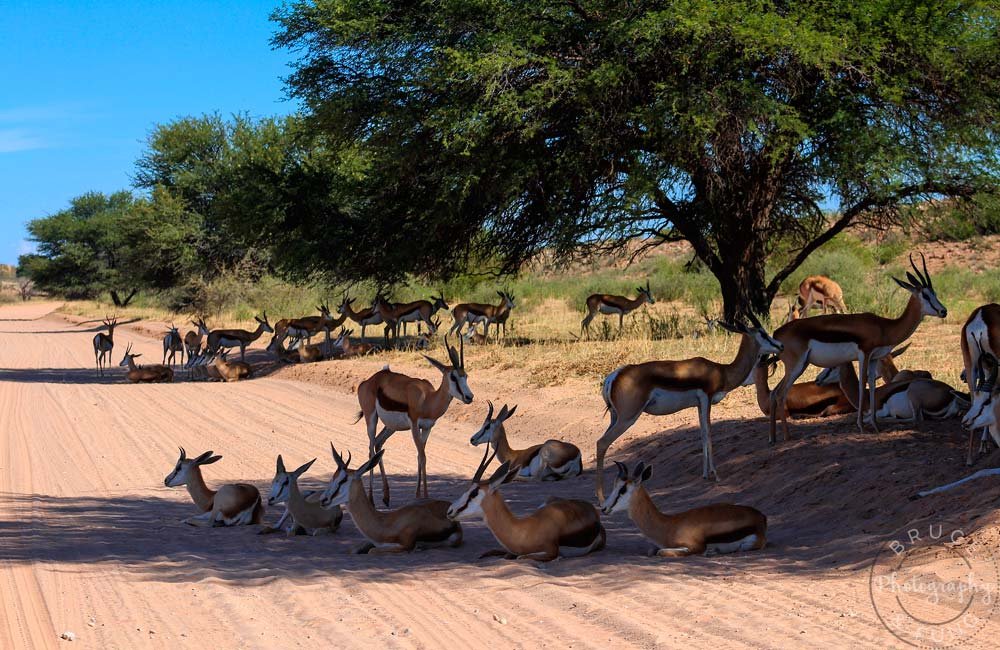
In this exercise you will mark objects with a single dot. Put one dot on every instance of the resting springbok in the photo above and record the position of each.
(830, 340)
(104, 345)
(988, 418)
(607, 304)
(474, 313)
(665, 387)
(218, 339)
(419, 311)
(199, 367)
(363, 317)
(233, 504)
(817, 290)
(980, 337)
(550, 461)
(475, 337)
(231, 370)
(304, 353)
(172, 344)
(193, 339)
(307, 513)
(423, 523)
(144, 374)
(805, 399)
(560, 528)
(349, 349)
(403, 402)
(909, 400)
(712, 529)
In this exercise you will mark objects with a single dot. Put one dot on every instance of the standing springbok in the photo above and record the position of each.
(716, 528)
(172, 344)
(307, 513)
(474, 313)
(980, 337)
(238, 338)
(817, 290)
(560, 528)
(104, 345)
(193, 339)
(665, 387)
(363, 317)
(551, 460)
(309, 326)
(233, 504)
(144, 374)
(419, 311)
(830, 340)
(608, 304)
(423, 523)
(403, 402)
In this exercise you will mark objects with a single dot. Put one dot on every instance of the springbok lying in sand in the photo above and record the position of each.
(144, 374)
(233, 504)
(551, 460)
(717, 528)
(423, 523)
(560, 528)
(307, 513)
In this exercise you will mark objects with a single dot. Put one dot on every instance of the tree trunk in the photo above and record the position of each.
(741, 273)
(117, 299)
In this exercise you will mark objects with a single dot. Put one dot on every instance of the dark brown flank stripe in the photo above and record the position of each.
(390, 404)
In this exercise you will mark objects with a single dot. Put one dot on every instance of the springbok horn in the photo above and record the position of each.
(489, 416)
(622, 470)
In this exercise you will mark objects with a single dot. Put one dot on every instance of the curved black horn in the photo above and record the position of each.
(622, 470)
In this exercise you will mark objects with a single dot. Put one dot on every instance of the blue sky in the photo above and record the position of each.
(82, 83)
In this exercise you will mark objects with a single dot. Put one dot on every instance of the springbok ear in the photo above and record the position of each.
(371, 462)
(638, 469)
(304, 468)
(903, 284)
(504, 474)
(729, 327)
(279, 467)
(209, 461)
(646, 473)
(437, 364)
(510, 411)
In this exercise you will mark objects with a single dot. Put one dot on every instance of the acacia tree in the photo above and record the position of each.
(494, 129)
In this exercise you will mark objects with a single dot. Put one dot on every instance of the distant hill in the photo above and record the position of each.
(7, 271)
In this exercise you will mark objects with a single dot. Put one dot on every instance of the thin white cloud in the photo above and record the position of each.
(14, 140)
(21, 115)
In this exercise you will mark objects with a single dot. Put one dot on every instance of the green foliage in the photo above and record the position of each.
(951, 221)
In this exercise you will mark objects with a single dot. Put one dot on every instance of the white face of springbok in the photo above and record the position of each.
(281, 484)
(470, 504)
(338, 491)
(458, 380)
(920, 286)
(624, 487)
(128, 357)
(507, 299)
(491, 424)
(987, 415)
(986, 379)
(181, 474)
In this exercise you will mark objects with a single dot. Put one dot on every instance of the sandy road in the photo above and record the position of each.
(90, 540)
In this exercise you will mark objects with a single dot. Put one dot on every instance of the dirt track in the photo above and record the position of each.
(90, 540)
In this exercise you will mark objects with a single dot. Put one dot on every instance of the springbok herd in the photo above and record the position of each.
(392, 402)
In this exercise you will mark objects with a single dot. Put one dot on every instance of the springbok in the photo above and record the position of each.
(233, 504)
(980, 338)
(830, 340)
(349, 349)
(193, 339)
(550, 461)
(144, 374)
(607, 304)
(988, 418)
(403, 402)
(422, 523)
(104, 345)
(172, 344)
(307, 513)
(909, 400)
(309, 326)
(474, 337)
(560, 528)
(807, 399)
(665, 387)
(712, 529)
(364, 317)
(200, 367)
(303, 353)
(231, 370)
(475, 313)
(817, 290)
(419, 311)
(238, 338)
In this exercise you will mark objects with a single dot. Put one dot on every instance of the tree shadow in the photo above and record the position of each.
(77, 330)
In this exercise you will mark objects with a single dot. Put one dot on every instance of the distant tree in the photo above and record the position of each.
(493, 130)
(25, 288)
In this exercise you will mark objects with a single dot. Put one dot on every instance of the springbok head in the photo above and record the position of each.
(282, 481)
(986, 381)
(458, 380)
(646, 293)
(262, 320)
(182, 470)
(338, 491)
(344, 305)
(110, 322)
(624, 487)
(201, 325)
(508, 299)
(766, 344)
(440, 302)
(920, 286)
(491, 424)
(128, 356)
(470, 503)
